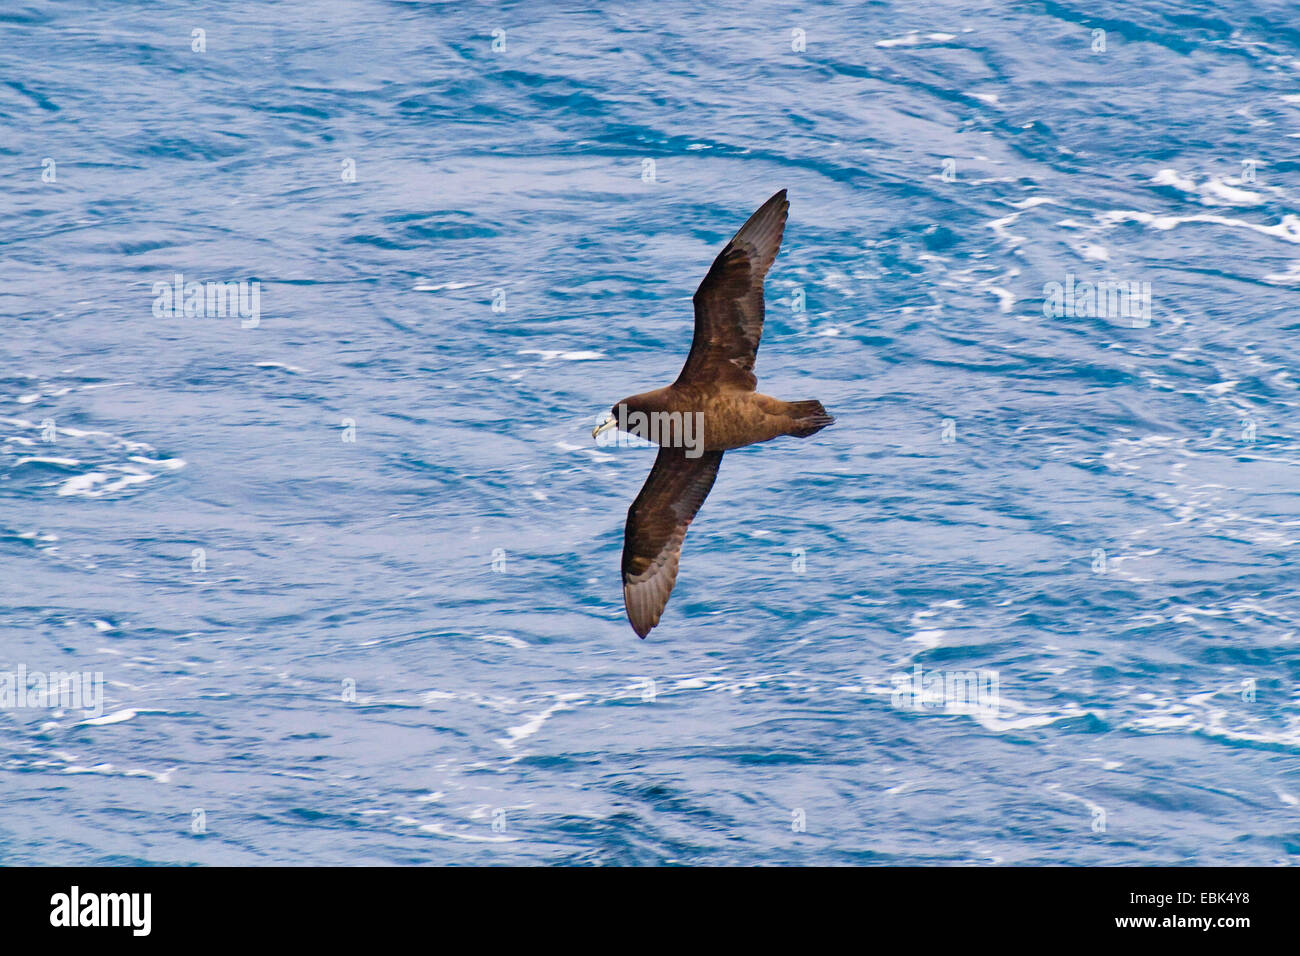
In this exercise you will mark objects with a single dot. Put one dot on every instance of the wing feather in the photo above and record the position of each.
(729, 302)
(656, 528)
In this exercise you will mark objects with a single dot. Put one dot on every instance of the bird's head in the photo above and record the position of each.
(633, 415)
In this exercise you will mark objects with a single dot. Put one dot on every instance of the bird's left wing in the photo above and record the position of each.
(656, 528)
(729, 302)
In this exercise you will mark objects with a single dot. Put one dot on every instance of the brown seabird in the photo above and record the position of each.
(710, 408)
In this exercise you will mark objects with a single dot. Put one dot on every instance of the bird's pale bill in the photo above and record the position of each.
(609, 422)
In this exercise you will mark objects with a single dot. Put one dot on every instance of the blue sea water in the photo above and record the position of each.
(350, 574)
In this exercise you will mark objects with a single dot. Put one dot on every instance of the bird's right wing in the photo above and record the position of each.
(729, 302)
(656, 528)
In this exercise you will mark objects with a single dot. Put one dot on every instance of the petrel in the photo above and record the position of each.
(711, 408)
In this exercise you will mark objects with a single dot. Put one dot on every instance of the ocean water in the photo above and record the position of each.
(347, 565)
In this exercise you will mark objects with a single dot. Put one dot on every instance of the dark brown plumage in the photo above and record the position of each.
(715, 388)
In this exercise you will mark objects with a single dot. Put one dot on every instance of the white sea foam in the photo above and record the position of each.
(916, 39)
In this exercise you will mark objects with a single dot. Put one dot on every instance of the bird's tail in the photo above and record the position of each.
(808, 417)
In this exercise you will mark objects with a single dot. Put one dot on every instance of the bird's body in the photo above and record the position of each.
(731, 417)
(710, 409)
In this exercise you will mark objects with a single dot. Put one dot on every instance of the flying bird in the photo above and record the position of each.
(712, 407)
